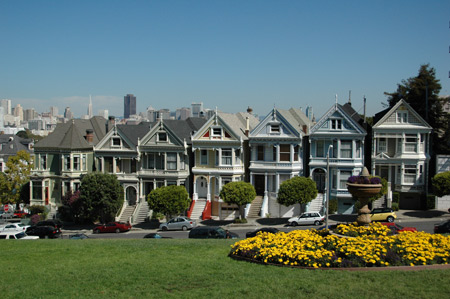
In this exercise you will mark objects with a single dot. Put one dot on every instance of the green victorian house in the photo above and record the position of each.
(62, 158)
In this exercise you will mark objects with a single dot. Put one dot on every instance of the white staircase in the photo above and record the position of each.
(127, 214)
(255, 207)
(142, 214)
(316, 205)
(198, 209)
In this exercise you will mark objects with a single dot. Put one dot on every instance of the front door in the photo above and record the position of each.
(260, 184)
(202, 187)
(319, 178)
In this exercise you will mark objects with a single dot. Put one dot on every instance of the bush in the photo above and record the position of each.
(333, 206)
(431, 202)
(395, 206)
(38, 209)
(441, 183)
(396, 197)
(238, 220)
(157, 216)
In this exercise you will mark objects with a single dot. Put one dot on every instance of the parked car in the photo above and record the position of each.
(17, 227)
(80, 236)
(50, 222)
(112, 227)
(155, 236)
(21, 214)
(307, 218)
(211, 232)
(397, 228)
(17, 236)
(183, 223)
(383, 214)
(442, 228)
(272, 230)
(44, 232)
(6, 214)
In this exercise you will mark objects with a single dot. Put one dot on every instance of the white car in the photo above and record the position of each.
(17, 236)
(183, 223)
(14, 227)
(307, 218)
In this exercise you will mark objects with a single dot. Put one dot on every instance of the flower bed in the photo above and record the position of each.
(372, 247)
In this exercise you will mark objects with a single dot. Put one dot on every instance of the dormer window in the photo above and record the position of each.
(162, 137)
(217, 132)
(402, 116)
(275, 128)
(115, 142)
(336, 124)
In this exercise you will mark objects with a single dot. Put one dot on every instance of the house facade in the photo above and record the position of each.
(340, 138)
(276, 155)
(400, 152)
(220, 149)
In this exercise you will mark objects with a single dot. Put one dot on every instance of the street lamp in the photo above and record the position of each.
(327, 185)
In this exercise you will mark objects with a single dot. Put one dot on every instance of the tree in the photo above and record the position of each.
(239, 193)
(441, 184)
(101, 197)
(415, 91)
(299, 190)
(17, 174)
(169, 200)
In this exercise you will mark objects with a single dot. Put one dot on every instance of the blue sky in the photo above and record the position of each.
(226, 54)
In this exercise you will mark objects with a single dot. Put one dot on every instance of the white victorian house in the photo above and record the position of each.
(401, 152)
(340, 137)
(276, 155)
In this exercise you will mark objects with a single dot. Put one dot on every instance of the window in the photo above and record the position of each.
(237, 156)
(162, 136)
(37, 190)
(275, 129)
(319, 148)
(226, 156)
(43, 162)
(260, 154)
(411, 143)
(358, 148)
(382, 145)
(84, 164)
(285, 152)
(336, 124)
(76, 162)
(116, 141)
(346, 149)
(296, 152)
(159, 161)
(171, 161)
(402, 116)
(203, 157)
(182, 162)
(410, 174)
(216, 132)
(66, 162)
(76, 186)
(344, 175)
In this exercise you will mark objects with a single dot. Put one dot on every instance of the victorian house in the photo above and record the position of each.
(401, 152)
(336, 143)
(62, 158)
(220, 150)
(276, 155)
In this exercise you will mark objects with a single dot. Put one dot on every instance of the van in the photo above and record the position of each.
(211, 232)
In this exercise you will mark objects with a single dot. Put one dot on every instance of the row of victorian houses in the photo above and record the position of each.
(204, 154)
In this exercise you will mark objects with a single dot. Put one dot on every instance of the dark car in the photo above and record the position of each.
(44, 232)
(211, 232)
(271, 230)
(155, 236)
(50, 222)
(442, 228)
(79, 236)
(112, 227)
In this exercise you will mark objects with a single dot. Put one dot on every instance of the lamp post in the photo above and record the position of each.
(327, 184)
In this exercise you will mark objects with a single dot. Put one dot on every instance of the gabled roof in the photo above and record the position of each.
(293, 119)
(71, 135)
(184, 129)
(383, 116)
(337, 108)
(10, 144)
(134, 132)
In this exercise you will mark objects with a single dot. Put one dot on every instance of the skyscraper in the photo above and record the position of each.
(129, 105)
(7, 108)
(89, 111)
(196, 109)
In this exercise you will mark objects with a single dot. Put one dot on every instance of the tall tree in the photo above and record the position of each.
(422, 93)
(169, 200)
(299, 190)
(101, 197)
(239, 193)
(17, 174)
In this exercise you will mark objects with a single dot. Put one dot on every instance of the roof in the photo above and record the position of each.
(11, 144)
(296, 117)
(71, 135)
(238, 122)
(135, 132)
(184, 129)
(383, 116)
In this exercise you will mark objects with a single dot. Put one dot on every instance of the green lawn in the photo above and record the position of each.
(186, 268)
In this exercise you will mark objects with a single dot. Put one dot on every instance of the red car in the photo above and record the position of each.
(20, 214)
(112, 227)
(397, 228)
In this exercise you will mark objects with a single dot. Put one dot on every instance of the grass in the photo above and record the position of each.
(189, 268)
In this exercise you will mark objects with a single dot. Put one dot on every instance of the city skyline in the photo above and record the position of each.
(228, 55)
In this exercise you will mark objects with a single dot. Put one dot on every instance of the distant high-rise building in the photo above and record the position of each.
(67, 113)
(2, 117)
(183, 113)
(7, 108)
(54, 111)
(164, 114)
(309, 112)
(196, 109)
(29, 114)
(129, 105)
(104, 113)
(18, 111)
(151, 114)
(89, 111)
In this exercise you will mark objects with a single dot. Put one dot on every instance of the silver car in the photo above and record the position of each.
(183, 223)
(307, 218)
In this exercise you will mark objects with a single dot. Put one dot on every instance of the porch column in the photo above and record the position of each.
(114, 164)
(291, 156)
(277, 148)
(102, 164)
(277, 182)
(194, 193)
(208, 194)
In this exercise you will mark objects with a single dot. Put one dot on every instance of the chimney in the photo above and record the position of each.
(247, 126)
(305, 129)
(89, 135)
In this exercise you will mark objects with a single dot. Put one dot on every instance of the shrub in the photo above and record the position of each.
(441, 183)
(38, 209)
(333, 206)
(238, 220)
(396, 197)
(395, 206)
